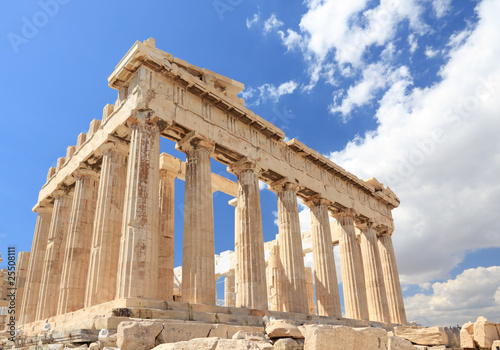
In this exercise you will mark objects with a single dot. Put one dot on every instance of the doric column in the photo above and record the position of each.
(198, 261)
(294, 293)
(351, 267)
(167, 229)
(250, 249)
(54, 256)
(391, 280)
(310, 291)
(325, 274)
(274, 278)
(376, 296)
(21, 272)
(35, 265)
(79, 241)
(138, 260)
(229, 291)
(103, 268)
(234, 203)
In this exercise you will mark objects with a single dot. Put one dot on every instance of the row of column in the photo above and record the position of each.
(364, 279)
(112, 237)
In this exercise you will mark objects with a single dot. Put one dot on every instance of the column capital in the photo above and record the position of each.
(284, 184)
(244, 164)
(315, 201)
(145, 116)
(194, 140)
(44, 208)
(365, 224)
(62, 191)
(343, 213)
(85, 171)
(115, 143)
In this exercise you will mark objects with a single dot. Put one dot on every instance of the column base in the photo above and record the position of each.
(109, 315)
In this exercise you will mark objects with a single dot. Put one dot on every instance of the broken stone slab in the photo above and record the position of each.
(485, 332)
(138, 335)
(282, 329)
(210, 344)
(467, 336)
(370, 337)
(344, 338)
(395, 343)
(176, 332)
(422, 335)
(287, 344)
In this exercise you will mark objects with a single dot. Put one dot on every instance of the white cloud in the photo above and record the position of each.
(254, 20)
(268, 92)
(412, 41)
(441, 7)
(437, 148)
(473, 293)
(272, 23)
(376, 76)
(429, 52)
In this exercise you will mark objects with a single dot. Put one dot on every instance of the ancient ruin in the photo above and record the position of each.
(103, 246)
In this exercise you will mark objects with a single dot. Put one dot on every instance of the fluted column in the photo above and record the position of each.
(250, 249)
(79, 241)
(234, 203)
(229, 290)
(198, 261)
(350, 263)
(103, 267)
(138, 259)
(54, 256)
(325, 274)
(294, 293)
(167, 229)
(35, 265)
(391, 280)
(310, 291)
(274, 278)
(21, 272)
(376, 296)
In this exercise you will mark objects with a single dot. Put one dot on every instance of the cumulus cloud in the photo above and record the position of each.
(375, 77)
(473, 293)
(412, 41)
(272, 23)
(429, 52)
(437, 147)
(254, 20)
(268, 92)
(441, 7)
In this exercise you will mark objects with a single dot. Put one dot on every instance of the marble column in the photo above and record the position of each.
(54, 256)
(35, 265)
(229, 291)
(21, 272)
(310, 291)
(274, 278)
(167, 230)
(79, 241)
(391, 280)
(103, 267)
(350, 263)
(198, 261)
(325, 274)
(234, 202)
(138, 260)
(251, 266)
(376, 296)
(294, 292)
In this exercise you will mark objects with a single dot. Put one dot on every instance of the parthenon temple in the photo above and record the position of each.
(104, 239)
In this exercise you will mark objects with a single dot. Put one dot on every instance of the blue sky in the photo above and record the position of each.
(407, 92)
